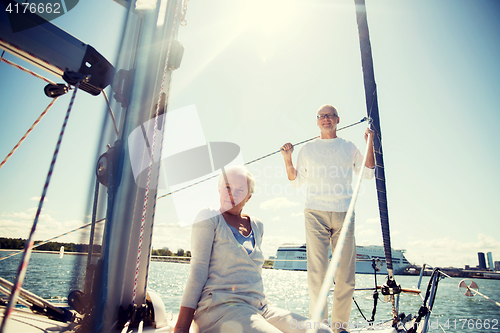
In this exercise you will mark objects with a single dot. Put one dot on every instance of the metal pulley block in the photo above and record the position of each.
(106, 162)
(176, 53)
(390, 288)
(55, 90)
(376, 264)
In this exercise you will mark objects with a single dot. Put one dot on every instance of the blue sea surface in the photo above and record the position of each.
(50, 277)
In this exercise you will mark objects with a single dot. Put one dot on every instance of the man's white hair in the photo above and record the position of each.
(328, 106)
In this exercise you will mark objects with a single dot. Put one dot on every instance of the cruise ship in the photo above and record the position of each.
(294, 257)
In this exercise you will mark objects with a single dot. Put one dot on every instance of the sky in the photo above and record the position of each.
(256, 72)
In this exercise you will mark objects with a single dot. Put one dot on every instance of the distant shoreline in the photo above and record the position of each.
(39, 251)
(180, 260)
(457, 273)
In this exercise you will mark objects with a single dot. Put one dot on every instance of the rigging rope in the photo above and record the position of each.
(167, 96)
(6, 292)
(375, 292)
(111, 112)
(184, 11)
(165, 108)
(27, 70)
(28, 132)
(334, 263)
(29, 296)
(33, 56)
(21, 272)
(260, 158)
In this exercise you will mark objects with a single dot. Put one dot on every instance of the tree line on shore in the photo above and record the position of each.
(18, 244)
(168, 253)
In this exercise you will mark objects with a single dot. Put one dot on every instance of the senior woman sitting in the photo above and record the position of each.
(224, 292)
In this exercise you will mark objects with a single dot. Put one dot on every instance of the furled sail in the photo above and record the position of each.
(372, 110)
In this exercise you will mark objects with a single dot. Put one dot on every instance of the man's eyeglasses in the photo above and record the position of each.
(326, 116)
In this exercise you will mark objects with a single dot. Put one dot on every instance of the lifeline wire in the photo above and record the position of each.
(475, 291)
(51, 239)
(260, 158)
(334, 263)
(28, 132)
(21, 272)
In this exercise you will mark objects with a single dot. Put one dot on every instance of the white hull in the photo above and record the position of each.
(23, 320)
(294, 257)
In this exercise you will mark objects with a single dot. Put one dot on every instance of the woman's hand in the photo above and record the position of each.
(184, 320)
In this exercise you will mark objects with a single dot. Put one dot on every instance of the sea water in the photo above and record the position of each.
(50, 277)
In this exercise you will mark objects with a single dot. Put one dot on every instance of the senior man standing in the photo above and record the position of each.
(325, 165)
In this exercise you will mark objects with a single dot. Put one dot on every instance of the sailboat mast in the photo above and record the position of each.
(148, 55)
(372, 111)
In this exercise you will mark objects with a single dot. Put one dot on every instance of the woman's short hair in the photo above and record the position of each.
(241, 170)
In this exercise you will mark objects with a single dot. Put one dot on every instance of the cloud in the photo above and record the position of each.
(362, 231)
(367, 242)
(278, 203)
(19, 224)
(277, 218)
(28, 217)
(373, 220)
(446, 251)
(172, 236)
(297, 214)
(482, 244)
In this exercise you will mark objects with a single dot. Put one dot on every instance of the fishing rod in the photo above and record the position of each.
(260, 158)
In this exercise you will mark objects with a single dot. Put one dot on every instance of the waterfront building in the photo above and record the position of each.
(489, 257)
(482, 262)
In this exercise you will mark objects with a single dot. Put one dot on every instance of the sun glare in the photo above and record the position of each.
(271, 16)
(270, 21)
(145, 4)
